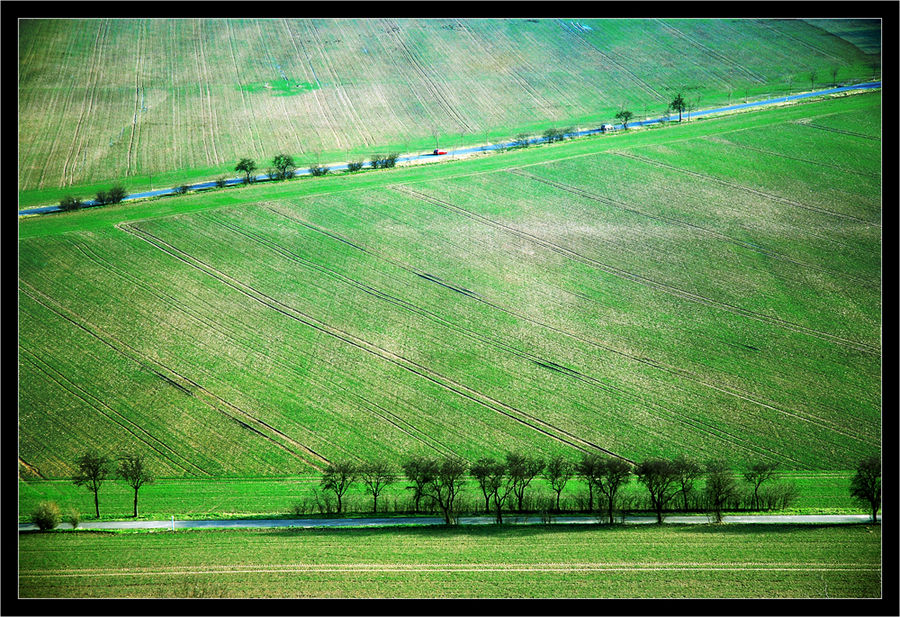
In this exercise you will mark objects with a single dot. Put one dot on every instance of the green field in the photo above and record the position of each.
(740, 561)
(649, 293)
(158, 102)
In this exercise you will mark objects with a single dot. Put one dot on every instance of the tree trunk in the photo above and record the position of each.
(135, 502)
(97, 503)
(558, 493)
(374, 504)
(611, 504)
(338, 502)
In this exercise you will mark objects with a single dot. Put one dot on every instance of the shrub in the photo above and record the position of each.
(220, 183)
(319, 170)
(354, 166)
(383, 161)
(73, 518)
(181, 189)
(46, 515)
(102, 198)
(116, 194)
(70, 203)
(521, 141)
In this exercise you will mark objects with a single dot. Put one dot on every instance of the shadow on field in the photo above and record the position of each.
(529, 531)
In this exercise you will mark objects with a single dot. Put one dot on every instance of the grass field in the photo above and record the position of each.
(160, 102)
(649, 293)
(740, 561)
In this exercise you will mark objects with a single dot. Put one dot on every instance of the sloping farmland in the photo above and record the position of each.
(640, 295)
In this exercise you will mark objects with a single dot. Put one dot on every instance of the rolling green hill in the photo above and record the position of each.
(710, 288)
(158, 102)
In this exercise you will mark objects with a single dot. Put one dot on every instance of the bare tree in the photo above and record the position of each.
(92, 471)
(522, 469)
(445, 485)
(558, 472)
(338, 478)
(133, 470)
(719, 488)
(420, 472)
(481, 471)
(612, 474)
(376, 476)
(659, 476)
(866, 484)
(500, 485)
(756, 475)
(687, 471)
(678, 104)
(587, 469)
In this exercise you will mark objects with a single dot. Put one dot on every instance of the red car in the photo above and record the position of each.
(436, 152)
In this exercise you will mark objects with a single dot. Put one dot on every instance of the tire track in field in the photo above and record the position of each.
(323, 109)
(114, 416)
(438, 97)
(660, 410)
(624, 69)
(788, 35)
(741, 187)
(203, 72)
(428, 374)
(658, 217)
(176, 379)
(734, 392)
(370, 406)
(540, 101)
(195, 40)
(339, 89)
(722, 58)
(256, 145)
(422, 568)
(643, 280)
(822, 127)
(846, 170)
(31, 469)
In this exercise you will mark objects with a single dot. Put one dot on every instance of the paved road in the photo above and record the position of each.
(465, 520)
(463, 151)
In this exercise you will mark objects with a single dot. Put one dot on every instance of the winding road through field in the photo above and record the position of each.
(472, 150)
(767, 519)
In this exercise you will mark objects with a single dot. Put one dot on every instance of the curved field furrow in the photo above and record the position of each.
(438, 95)
(432, 376)
(188, 386)
(676, 371)
(744, 188)
(324, 110)
(748, 245)
(664, 287)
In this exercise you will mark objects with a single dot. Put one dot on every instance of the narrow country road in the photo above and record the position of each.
(779, 519)
(463, 151)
